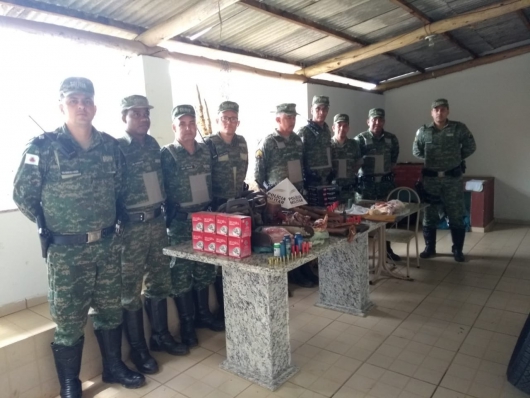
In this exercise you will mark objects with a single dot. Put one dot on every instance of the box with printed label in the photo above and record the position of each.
(221, 245)
(198, 241)
(239, 226)
(209, 222)
(209, 243)
(197, 221)
(221, 224)
(239, 247)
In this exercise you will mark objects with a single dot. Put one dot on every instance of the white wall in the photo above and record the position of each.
(22, 269)
(355, 104)
(494, 102)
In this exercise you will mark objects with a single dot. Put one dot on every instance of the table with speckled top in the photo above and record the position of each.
(256, 301)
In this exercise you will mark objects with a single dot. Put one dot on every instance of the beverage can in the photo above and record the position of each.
(277, 250)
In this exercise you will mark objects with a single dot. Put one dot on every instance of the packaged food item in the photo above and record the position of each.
(209, 243)
(239, 247)
(221, 224)
(221, 245)
(197, 221)
(239, 226)
(198, 241)
(277, 234)
(209, 222)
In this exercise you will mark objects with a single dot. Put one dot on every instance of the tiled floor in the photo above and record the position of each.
(448, 334)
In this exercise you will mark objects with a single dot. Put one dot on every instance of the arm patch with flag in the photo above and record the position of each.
(32, 159)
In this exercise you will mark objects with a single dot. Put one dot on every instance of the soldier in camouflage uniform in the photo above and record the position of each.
(71, 181)
(144, 238)
(443, 145)
(380, 151)
(346, 157)
(280, 156)
(187, 167)
(229, 169)
(316, 137)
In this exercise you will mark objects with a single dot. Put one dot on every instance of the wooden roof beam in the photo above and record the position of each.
(524, 18)
(183, 21)
(317, 27)
(417, 35)
(427, 20)
(488, 59)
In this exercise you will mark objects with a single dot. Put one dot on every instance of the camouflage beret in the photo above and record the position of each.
(440, 102)
(341, 117)
(135, 101)
(182, 110)
(376, 112)
(288, 109)
(72, 85)
(228, 106)
(320, 100)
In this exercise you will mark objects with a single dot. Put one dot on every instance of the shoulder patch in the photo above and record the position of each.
(31, 159)
(259, 154)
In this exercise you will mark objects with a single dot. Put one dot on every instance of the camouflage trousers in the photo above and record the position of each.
(450, 190)
(141, 256)
(187, 274)
(375, 190)
(82, 279)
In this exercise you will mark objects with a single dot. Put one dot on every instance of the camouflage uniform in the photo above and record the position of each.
(346, 158)
(188, 183)
(379, 154)
(78, 190)
(317, 148)
(444, 150)
(143, 241)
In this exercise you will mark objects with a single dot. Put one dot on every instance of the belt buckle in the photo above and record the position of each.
(93, 236)
(441, 174)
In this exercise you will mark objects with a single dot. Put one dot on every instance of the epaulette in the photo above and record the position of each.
(42, 139)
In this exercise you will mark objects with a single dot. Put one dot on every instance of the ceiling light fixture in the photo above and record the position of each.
(199, 34)
(430, 39)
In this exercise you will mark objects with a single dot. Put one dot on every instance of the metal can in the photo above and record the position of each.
(277, 250)
(282, 249)
(287, 240)
(298, 239)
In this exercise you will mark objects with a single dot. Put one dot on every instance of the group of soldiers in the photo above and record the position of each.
(106, 207)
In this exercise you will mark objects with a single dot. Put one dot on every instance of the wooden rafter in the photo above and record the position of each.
(317, 27)
(183, 21)
(488, 59)
(439, 27)
(427, 20)
(524, 18)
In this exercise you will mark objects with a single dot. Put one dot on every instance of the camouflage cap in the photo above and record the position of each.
(288, 109)
(135, 101)
(440, 102)
(181, 110)
(320, 100)
(72, 85)
(341, 117)
(376, 112)
(228, 106)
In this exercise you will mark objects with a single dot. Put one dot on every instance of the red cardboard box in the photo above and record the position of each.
(239, 226)
(198, 241)
(221, 245)
(197, 221)
(209, 243)
(221, 224)
(239, 247)
(209, 222)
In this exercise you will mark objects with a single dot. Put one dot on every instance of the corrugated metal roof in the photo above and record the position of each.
(245, 29)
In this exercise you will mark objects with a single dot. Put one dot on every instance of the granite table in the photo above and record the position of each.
(256, 302)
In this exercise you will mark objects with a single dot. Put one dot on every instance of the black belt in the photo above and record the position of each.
(456, 172)
(81, 239)
(378, 178)
(144, 216)
(182, 216)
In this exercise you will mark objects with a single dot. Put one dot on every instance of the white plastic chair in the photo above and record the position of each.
(395, 235)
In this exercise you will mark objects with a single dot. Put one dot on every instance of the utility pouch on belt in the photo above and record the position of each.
(44, 234)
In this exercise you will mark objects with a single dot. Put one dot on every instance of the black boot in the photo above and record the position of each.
(429, 234)
(114, 370)
(186, 313)
(220, 297)
(161, 339)
(297, 278)
(390, 253)
(68, 365)
(308, 273)
(458, 235)
(203, 315)
(133, 323)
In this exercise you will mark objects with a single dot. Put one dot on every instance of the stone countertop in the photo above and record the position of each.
(258, 263)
